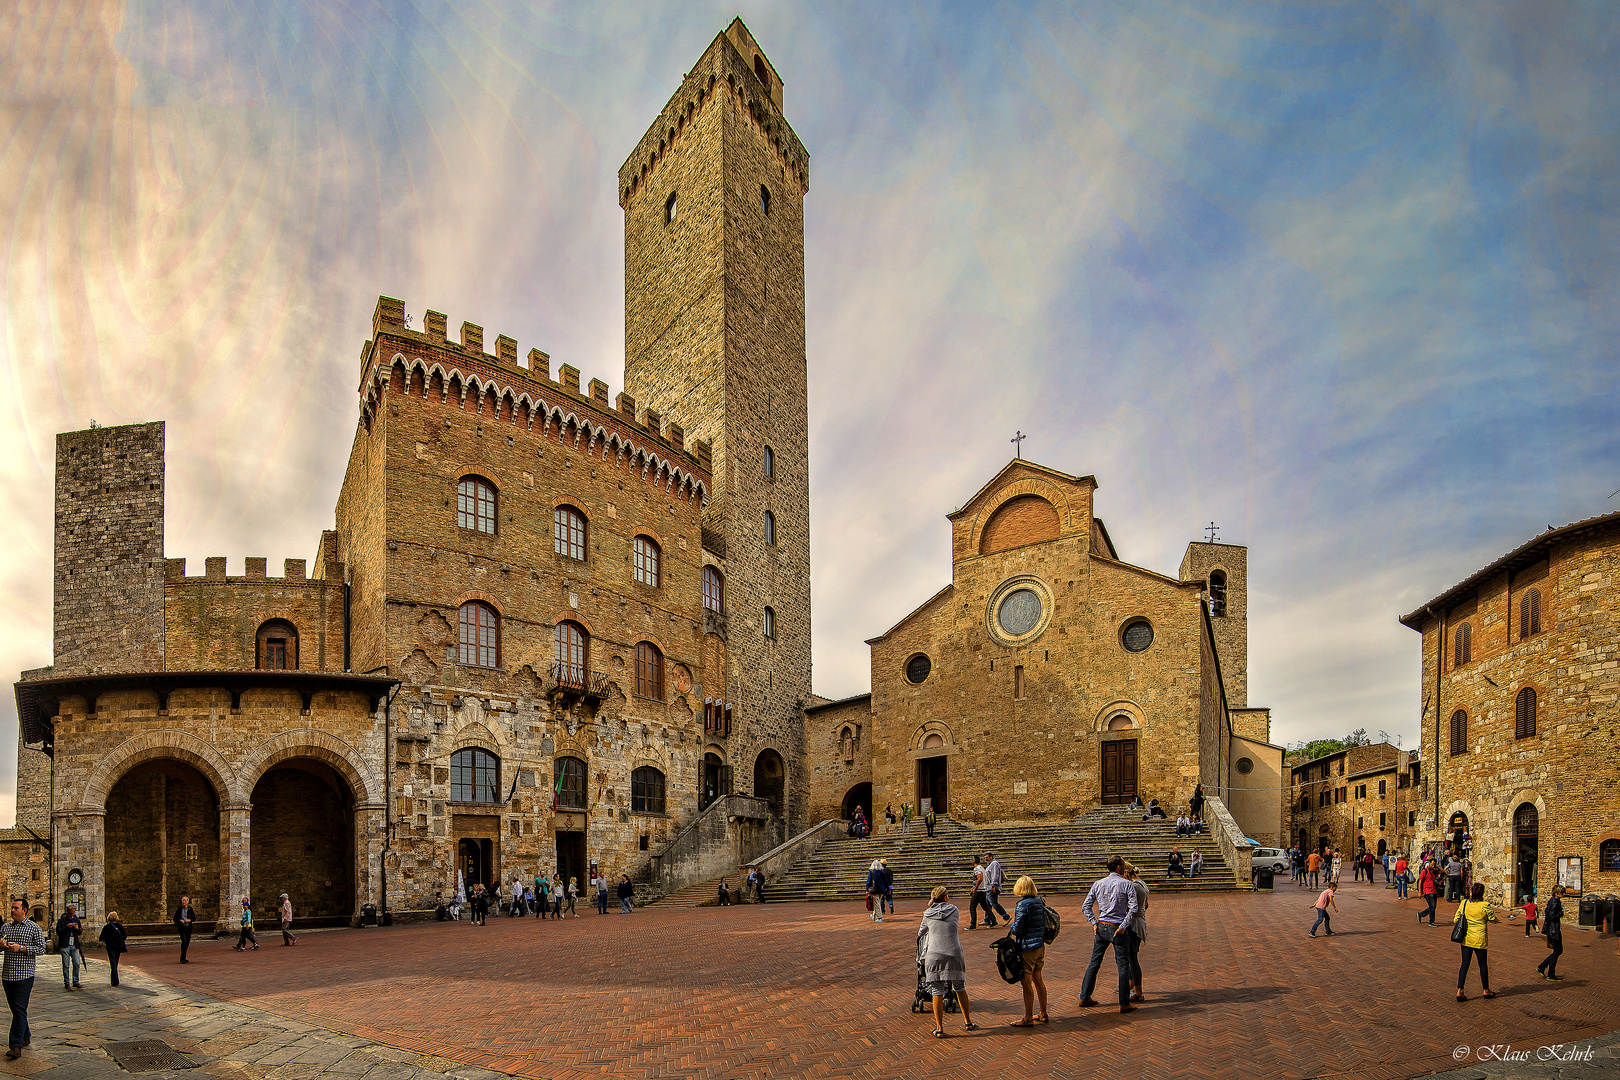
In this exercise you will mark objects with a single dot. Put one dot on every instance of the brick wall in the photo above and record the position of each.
(838, 764)
(212, 621)
(303, 843)
(1231, 628)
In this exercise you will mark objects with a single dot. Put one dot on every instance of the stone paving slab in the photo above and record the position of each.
(1235, 987)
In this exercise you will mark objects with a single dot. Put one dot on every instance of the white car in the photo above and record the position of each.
(1274, 859)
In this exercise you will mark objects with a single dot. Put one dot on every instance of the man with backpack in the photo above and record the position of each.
(1110, 907)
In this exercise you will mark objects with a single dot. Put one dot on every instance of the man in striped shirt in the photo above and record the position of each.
(24, 940)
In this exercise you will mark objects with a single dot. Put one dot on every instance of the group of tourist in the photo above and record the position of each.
(544, 897)
(860, 828)
(1115, 907)
(753, 884)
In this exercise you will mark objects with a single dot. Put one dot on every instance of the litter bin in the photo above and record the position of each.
(1613, 903)
(368, 915)
(1588, 916)
(1264, 878)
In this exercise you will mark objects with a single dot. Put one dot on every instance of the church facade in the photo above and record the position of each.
(545, 633)
(1051, 677)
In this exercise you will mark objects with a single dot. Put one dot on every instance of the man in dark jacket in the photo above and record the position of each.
(184, 916)
(626, 890)
(68, 931)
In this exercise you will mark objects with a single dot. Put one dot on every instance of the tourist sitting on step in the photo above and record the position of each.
(1183, 826)
(1195, 825)
(1136, 803)
(1197, 862)
(1176, 868)
(1155, 810)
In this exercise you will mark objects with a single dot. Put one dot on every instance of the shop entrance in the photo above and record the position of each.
(476, 861)
(1118, 772)
(931, 782)
(1526, 840)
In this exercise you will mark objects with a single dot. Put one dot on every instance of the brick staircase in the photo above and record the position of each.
(1063, 859)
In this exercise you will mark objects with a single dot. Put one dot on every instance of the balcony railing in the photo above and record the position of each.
(577, 679)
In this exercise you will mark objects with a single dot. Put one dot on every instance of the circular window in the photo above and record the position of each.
(917, 669)
(1020, 612)
(1245, 766)
(1138, 635)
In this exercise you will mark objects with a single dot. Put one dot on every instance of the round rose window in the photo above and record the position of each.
(1020, 612)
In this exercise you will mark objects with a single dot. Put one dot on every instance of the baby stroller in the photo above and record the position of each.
(922, 1001)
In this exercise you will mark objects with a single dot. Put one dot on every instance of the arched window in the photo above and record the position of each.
(649, 671)
(1459, 733)
(1524, 714)
(277, 646)
(475, 776)
(714, 591)
(646, 560)
(568, 534)
(1217, 593)
(769, 622)
(571, 654)
(480, 635)
(768, 462)
(647, 791)
(1464, 651)
(770, 527)
(475, 504)
(568, 783)
(761, 72)
(764, 200)
(669, 209)
(1529, 613)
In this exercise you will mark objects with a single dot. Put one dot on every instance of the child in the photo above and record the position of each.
(1530, 916)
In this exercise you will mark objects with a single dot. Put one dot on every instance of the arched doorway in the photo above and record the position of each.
(1458, 827)
(932, 774)
(1383, 848)
(769, 776)
(1526, 840)
(303, 841)
(860, 795)
(162, 842)
(714, 780)
(1361, 845)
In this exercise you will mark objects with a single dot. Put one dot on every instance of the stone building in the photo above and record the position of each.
(1051, 677)
(546, 631)
(1521, 674)
(1361, 798)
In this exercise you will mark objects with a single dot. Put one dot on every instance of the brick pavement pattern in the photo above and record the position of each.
(1235, 987)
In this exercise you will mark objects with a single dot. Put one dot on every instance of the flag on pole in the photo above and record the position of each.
(513, 790)
(562, 772)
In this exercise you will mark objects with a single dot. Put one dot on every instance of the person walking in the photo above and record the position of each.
(939, 946)
(573, 896)
(1553, 927)
(992, 886)
(1529, 916)
(1400, 877)
(601, 893)
(1454, 876)
(888, 816)
(929, 818)
(24, 940)
(69, 935)
(1029, 930)
(285, 912)
(1429, 888)
(626, 891)
(184, 917)
(517, 907)
(905, 817)
(888, 886)
(862, 827)
(1110, 907)
(246, 934)
(1322, 903)
(759, 883)
(116, 940)
(1476, 912)
(1138, 929)
(1195, 805)
(876, 886)
(979, 898)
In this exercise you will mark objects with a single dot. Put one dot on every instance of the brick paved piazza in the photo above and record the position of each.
(1235, 988)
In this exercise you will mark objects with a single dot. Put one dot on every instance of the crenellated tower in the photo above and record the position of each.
(713, 199)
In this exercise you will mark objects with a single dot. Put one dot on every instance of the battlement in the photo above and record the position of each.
(723, 68)
(426, 362)
(253, 573)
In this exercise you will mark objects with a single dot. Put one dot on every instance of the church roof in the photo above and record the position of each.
(996, 483)
(841, 701)
(1523, 555)
(912, 614)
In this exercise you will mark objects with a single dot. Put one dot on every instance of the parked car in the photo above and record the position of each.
(1274, 859)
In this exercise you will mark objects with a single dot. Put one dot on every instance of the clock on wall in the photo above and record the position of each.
(75, 876)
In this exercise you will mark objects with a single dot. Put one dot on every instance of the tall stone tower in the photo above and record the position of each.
(1226, 568)
(713, 199)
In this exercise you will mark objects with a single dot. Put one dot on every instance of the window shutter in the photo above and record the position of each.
(1524, 714)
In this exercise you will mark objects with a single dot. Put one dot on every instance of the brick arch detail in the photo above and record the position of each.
(1527, 795)
(151, 746)
(327, 749)
(1114, 708)
(932, 727)
(1028, 486)
(718, 751)
(479, 735)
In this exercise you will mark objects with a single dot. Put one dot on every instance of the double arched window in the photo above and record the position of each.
(573, 656)
(646, 557)
(714, 591)
(1459, 733)
(649, 671)
(475, 504)
(277, 648)
(475, 776)
(1529, 613)
(1524, 714)
(647, 791)
(1464, 650)
(568, 533)
(480, 635)
(568, 781)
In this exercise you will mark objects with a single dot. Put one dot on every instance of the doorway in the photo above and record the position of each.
(476, 861)
(1383, 848)
(714, 777)
(571, 861)
(1526, 839)
(1118, 771)
(860, 795)
(768, 777)
(931, 782)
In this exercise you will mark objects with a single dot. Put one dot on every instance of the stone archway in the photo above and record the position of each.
(150, 746)
(770, 778)
(319, 746)
(302, 838)
(161, 841)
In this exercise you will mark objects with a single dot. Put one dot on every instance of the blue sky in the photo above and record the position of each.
(1340, 277)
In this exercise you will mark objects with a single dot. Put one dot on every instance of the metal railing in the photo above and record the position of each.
(581, 680)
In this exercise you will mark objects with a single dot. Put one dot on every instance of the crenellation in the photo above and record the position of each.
(506, 350)
(472, 338)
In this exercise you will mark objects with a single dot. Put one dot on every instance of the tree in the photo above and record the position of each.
(1322, 747)
(1357, 737)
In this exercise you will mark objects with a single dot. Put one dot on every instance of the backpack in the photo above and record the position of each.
(1053, 924)
(1009, 960)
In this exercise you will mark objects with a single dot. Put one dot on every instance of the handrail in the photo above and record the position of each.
(578, 678)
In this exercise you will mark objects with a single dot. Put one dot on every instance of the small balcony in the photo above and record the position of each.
(575, 681)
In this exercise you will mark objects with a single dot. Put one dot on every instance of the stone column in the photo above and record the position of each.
(235, 834)
(369, 834)
(80, 844)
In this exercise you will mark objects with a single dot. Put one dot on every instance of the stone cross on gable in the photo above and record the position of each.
(1018, 444)
(1213, 530)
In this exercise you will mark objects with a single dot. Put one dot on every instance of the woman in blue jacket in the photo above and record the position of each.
(1029, 930)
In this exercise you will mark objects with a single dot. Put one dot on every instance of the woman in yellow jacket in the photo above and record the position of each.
(1478, 913)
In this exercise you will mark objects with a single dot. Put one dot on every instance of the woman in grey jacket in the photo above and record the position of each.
(944, 966)
(1138, 930)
